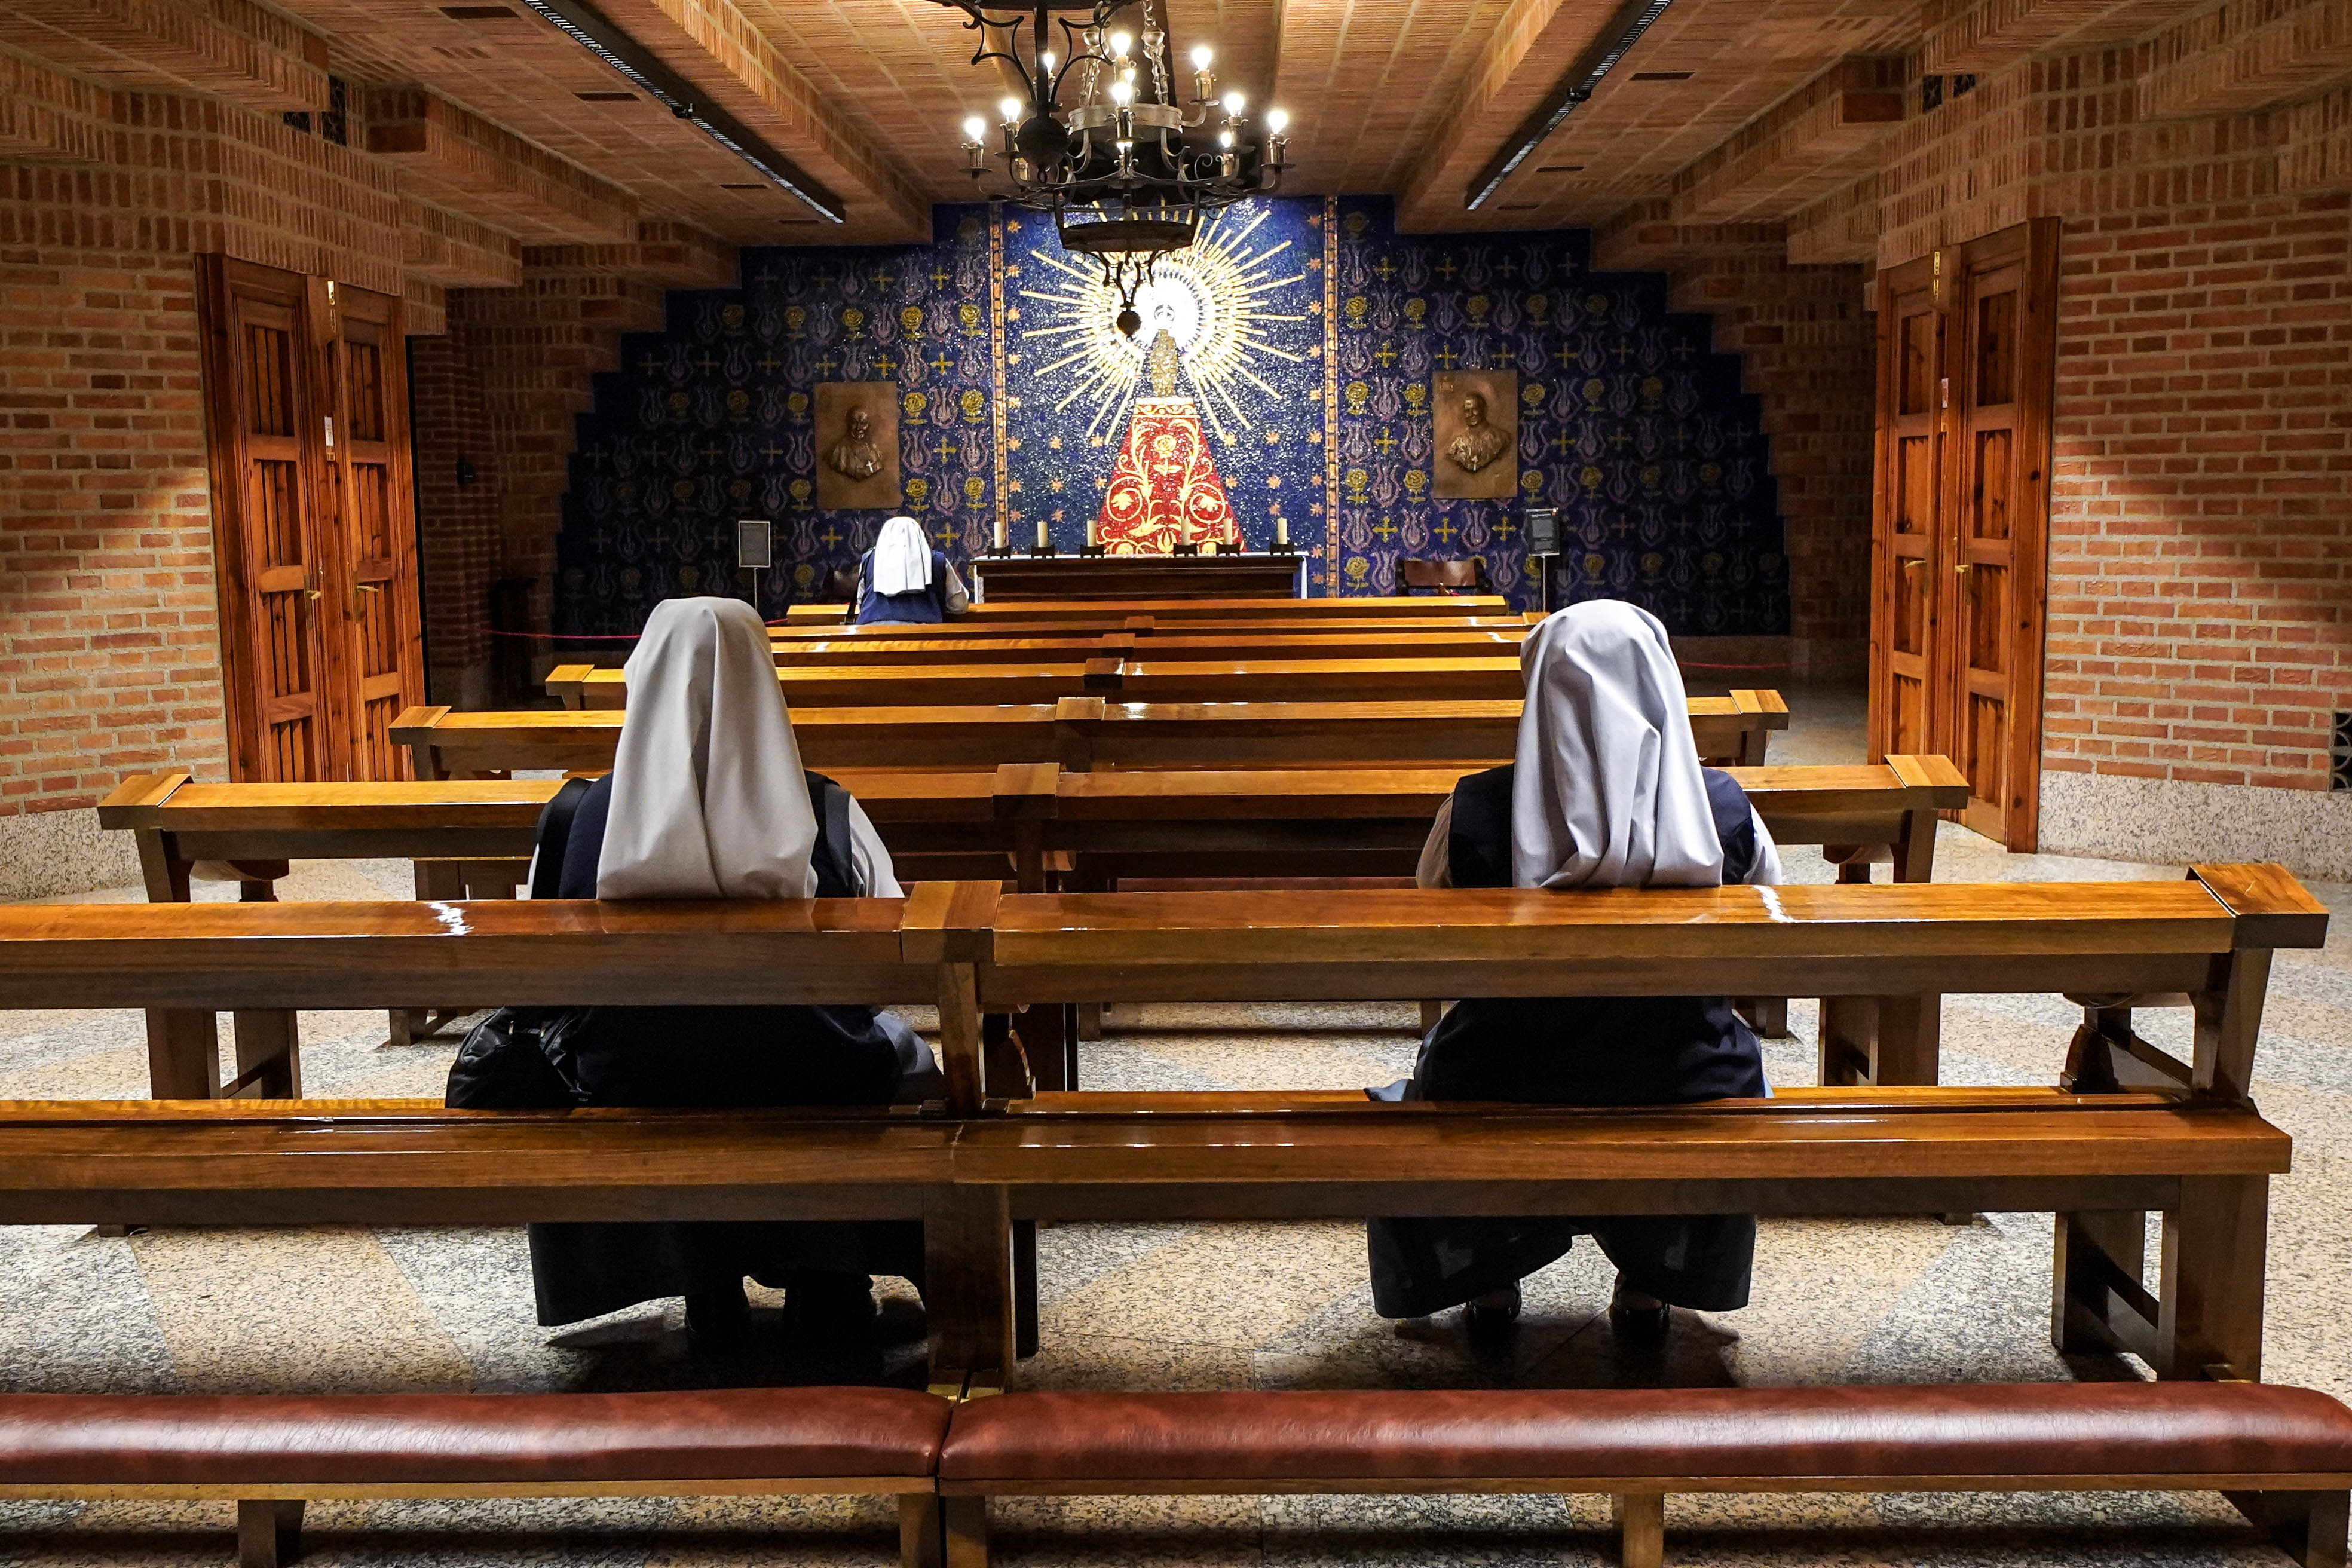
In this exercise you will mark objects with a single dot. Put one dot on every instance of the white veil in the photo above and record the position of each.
(902, 558)
(1608, 791)
(709, 799)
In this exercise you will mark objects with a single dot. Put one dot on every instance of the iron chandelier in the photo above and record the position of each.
(1095, 135)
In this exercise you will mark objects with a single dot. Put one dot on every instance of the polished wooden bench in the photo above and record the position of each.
(1042, 611)
(1403, 641)
(1144, 628)
(275, 1453)
(1081, 734)
(1387, 679)
(474, 838)
(2282, 1455)
(2127, 1132)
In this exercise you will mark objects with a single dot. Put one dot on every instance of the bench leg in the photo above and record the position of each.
(269, 1055)
(1044, 1041)
(1024, 1287)
(968, 1277)
(2097, 1304)
(1089, 1021)
(2307, 1526)
(268, 1532)
(1882, 1040)
(1768, 1015)
(1004, 1060)
(920, 1545)
(2215, 1249)
(965, 1522)
(1640, 1528)
(182, 1054)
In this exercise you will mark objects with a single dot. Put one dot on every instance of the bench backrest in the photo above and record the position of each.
(1377, 817)
(858, 684)
(1079, 732)
(1045, 610)
(969, 946)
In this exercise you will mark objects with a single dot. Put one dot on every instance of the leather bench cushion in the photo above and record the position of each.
(703, 1434)
(2179, 1428)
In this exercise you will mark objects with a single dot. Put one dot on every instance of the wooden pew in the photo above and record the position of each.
(863, 685)
(1081, 734)
(1143, 626)
(1042, 611)
(474, 839)
(1406, 642)
(2127, 1130)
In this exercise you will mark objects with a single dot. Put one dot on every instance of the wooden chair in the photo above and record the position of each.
(1465, 575)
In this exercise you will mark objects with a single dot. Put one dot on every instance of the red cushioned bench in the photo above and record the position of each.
(275, 1453)
(2283, 1455)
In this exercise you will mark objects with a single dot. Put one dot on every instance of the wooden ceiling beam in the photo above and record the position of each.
(233, 47)
(453, 158)
(1821, 137)
(2247, 54)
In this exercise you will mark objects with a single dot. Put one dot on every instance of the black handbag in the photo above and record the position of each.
(522, 1058)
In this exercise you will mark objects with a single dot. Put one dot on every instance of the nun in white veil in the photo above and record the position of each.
(903, 579)
(1606, 792)
(707, 799)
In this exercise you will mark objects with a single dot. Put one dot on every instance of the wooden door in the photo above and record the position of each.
(267, 539)
(1960, 540)
(1909, 467)
(378, 669)
(314, 533)
(2002, 292)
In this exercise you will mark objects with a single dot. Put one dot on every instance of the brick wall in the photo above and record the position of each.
(460, 553)
(109, 639)
(2200, 581)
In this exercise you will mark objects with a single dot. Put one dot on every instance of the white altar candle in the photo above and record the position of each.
(1000, 531)
(1042, 541)
(1281, 530)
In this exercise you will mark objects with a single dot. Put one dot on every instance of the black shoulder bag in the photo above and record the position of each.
(521, 1059)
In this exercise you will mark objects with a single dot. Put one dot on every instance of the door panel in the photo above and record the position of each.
(313, 528)
(383, 664)
(265, 533)
(1961, 540)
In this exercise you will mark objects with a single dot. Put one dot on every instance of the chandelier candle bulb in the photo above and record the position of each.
(1235, 102)
(1277, 121)
(1009, 111)
(1119, 44)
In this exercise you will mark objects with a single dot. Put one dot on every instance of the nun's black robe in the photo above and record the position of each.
(734, 1056)
(1575, 1050)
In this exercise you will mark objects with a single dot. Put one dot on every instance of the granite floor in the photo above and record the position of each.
(1173, 1305)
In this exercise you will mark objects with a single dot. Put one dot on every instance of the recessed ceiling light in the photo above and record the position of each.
(742, 187)
(1561, 169)
(1517, 207)
(1662, 76)
(478, 13)
(606, 97)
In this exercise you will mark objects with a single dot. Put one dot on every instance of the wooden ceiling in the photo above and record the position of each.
(1725, 108)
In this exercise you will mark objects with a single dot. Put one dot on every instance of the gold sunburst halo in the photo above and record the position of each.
(1221, 283)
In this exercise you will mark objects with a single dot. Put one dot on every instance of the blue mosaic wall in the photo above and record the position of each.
(1314, 385)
